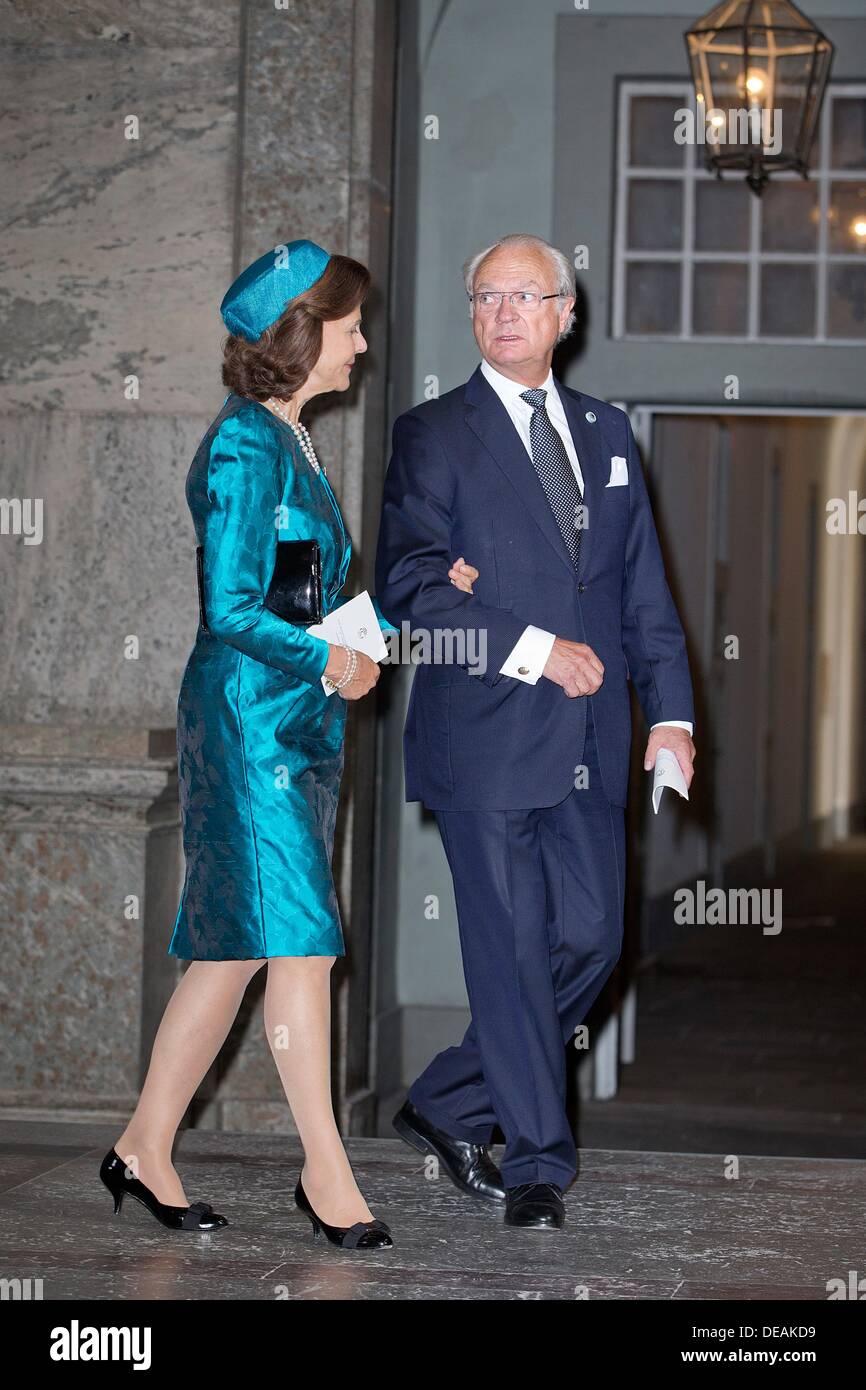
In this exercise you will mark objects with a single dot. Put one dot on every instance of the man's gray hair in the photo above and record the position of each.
(563, 270)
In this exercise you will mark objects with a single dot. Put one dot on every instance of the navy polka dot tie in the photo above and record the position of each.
(555, 473)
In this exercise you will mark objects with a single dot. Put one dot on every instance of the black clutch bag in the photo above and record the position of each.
(295, 591)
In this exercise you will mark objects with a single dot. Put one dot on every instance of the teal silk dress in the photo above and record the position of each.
(259, 743)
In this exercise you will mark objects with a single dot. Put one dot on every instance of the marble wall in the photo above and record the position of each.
(148, 152)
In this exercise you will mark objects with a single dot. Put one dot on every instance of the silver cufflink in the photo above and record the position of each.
(590, 417)
(523, 670)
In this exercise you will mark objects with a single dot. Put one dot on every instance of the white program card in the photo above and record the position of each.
(355, 624)
(667, 773)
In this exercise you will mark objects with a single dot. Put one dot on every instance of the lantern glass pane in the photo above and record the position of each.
(726, 80)
(789, 119)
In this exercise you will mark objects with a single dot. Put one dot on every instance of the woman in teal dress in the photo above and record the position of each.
(260, 746)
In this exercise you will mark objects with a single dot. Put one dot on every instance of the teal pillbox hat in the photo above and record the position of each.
(261, 292)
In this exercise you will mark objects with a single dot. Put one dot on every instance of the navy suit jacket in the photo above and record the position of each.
(460, 482)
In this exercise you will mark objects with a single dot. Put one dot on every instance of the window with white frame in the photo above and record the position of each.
(698, 258)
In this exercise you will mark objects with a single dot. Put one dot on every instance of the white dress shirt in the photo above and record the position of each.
(527, 659)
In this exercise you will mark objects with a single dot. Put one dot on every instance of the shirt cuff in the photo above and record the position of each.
(675, 724)
(526, 660)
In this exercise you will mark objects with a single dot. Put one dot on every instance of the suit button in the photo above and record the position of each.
(523, 670)
(581, 588)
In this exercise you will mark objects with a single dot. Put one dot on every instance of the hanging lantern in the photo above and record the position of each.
(759, 68)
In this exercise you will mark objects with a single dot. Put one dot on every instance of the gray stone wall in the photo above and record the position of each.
(253, 123)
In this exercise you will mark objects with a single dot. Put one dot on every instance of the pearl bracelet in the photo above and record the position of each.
(351, 668)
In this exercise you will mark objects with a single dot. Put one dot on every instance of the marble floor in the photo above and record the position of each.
(640, 1225)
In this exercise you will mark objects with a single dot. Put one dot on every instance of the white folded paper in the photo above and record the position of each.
(355, 624)
(668, 773)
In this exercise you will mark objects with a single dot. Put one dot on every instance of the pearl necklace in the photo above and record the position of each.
(302, 435)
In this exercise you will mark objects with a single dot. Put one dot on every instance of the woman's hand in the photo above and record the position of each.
(366, 673)
(365, 677)
(463, 576)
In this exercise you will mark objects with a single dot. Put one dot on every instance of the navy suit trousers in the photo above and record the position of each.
(539, 898)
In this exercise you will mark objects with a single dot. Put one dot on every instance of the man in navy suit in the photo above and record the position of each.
(525, 760)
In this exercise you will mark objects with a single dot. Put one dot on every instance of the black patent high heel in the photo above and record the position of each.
(198, 1217)
(364, 1235)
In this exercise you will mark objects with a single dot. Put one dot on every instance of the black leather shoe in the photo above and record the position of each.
(198, 1217)
(535, 1206)
(469, 1166)
(364, 1235)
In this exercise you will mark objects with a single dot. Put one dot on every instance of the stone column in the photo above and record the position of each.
(318, 111)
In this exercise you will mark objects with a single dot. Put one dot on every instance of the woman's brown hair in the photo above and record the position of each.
(286, 353)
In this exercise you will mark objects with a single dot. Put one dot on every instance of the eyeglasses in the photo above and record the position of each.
(487, 300)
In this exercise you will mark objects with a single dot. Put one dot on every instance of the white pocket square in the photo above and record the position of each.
(618, 472)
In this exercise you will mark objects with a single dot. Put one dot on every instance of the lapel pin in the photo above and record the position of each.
(590, 417)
